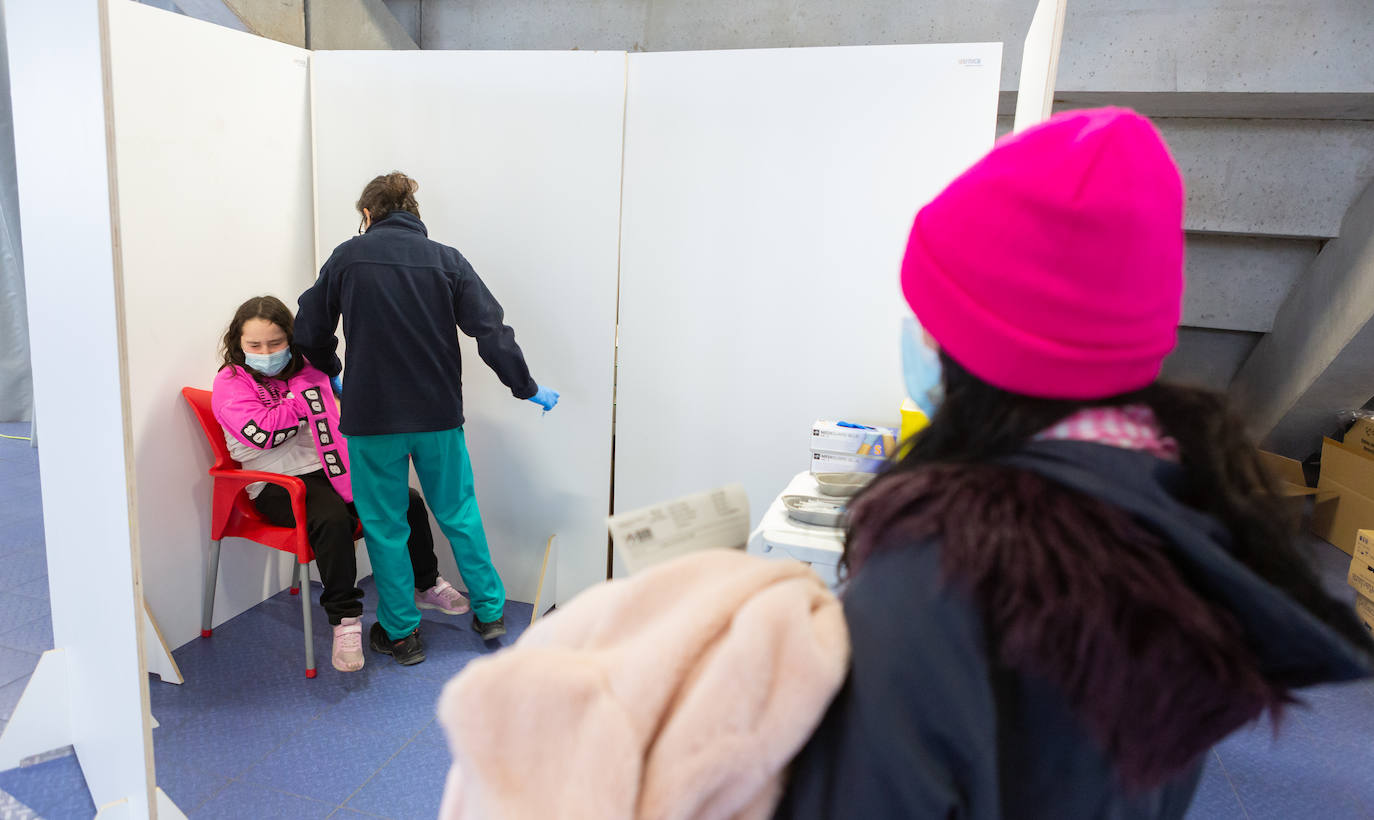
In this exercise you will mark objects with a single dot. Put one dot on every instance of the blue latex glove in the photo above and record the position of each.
(337, 383)
(545, 398)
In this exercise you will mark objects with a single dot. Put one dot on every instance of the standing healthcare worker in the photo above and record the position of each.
(400, 295)
(1078, 579)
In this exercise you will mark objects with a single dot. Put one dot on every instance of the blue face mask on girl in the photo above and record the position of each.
(921, 369)
(269, 364)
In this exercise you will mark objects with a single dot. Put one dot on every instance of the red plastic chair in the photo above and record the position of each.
(234, 515)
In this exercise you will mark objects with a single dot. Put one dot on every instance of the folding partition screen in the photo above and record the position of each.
(767, 200)
(213, 154)
(518, 159)
(91, 691)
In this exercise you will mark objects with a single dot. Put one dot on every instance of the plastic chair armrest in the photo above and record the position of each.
(295, 488)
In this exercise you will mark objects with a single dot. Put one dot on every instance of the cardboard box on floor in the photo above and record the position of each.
(1361, 575)
(1360, 439)
(1292, 482)
(1345, 497)
(1288, 471)
(1364, 610)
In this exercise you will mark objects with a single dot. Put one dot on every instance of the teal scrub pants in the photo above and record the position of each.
(381, 481)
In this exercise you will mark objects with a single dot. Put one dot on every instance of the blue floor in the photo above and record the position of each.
(247, 732)
(248, 736)
(25, 622)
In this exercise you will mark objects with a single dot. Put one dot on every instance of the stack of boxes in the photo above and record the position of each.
(1345, 497)
(1345, 494)
(1344, 504)
(841, 447)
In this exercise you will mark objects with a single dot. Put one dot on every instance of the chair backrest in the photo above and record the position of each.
(214, 433)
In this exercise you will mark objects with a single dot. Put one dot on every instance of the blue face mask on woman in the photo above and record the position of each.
(921, 369)
(269, 364)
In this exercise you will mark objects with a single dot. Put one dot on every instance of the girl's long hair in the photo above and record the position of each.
(260, 307)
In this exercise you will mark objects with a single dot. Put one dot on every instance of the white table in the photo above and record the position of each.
(779, 536)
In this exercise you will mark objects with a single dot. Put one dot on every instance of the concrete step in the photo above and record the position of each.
(1271, 177)
(1217, 46)
(1267, 178)
(1213, 105)
(1219, 105)
(1209, 358)
(1239, 282)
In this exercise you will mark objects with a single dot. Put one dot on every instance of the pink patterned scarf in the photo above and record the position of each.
(1133, 427)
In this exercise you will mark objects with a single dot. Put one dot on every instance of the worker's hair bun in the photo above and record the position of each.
(389, 193)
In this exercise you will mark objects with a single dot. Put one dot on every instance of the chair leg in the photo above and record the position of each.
(304, 570)
(295, 579)
(207, 613)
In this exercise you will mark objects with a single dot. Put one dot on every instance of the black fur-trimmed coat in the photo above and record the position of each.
(1058, 635)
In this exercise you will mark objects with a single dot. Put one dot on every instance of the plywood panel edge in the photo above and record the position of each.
(130, 475)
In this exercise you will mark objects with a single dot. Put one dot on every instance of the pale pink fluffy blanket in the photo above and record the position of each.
(682, 692)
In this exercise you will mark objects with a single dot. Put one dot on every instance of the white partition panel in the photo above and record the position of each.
(768, 196)
(212, 138)
(72, 278)
(518, 158)
(1040, 64)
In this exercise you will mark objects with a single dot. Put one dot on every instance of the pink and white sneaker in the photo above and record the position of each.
(443, 597)
(348, 645)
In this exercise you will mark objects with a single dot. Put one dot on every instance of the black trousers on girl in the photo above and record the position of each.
(329, 523)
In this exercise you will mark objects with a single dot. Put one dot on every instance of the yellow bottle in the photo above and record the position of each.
(913, 420)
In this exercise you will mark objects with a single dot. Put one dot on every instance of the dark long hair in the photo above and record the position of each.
(273, 310)
(977, 423)
(387, 194)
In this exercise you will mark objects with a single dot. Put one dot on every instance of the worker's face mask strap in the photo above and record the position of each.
(921, 369)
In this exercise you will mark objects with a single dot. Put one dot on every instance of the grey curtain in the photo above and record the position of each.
(16, 379)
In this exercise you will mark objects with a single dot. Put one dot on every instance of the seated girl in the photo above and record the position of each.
(278, 417)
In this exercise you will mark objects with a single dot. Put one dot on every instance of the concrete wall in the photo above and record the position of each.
(16, 375)
(280, 20)
(320, 24)
(407, 14)
(687, 25)
(353, 24)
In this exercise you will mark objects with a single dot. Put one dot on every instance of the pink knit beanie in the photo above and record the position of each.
(1054, 266)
